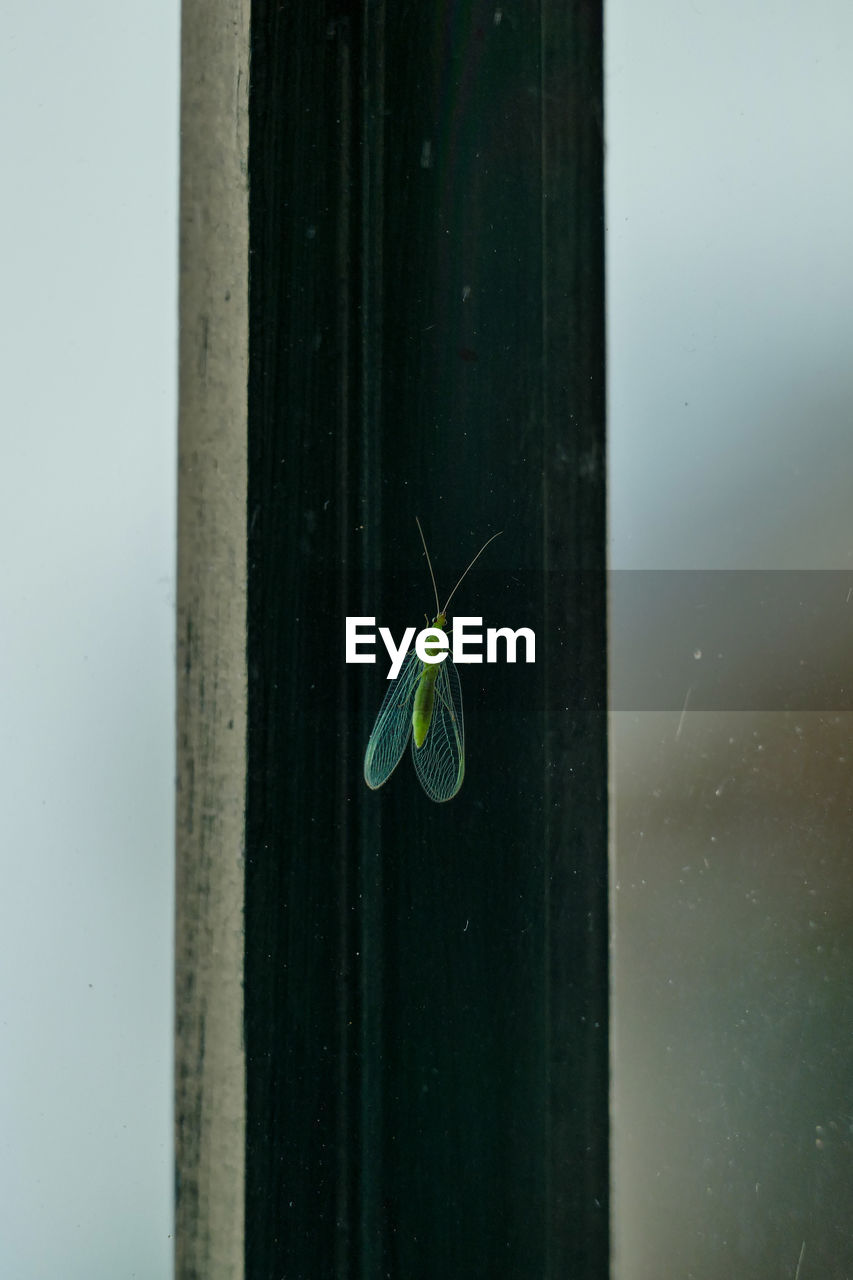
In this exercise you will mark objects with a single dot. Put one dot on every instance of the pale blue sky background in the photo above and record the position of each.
(88, 225)
(730, 273)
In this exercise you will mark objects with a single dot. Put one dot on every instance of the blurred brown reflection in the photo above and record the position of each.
(733, 999)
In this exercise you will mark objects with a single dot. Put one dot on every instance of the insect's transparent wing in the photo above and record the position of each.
(440, 762)
(387, 742)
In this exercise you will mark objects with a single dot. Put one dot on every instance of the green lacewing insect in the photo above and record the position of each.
(424, 703)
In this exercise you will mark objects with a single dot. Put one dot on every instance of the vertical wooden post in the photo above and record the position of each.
(210, 1070)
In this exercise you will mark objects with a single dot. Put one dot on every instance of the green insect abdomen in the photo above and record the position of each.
(423, 703)
(425, 692)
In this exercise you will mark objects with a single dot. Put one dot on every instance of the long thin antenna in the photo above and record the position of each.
(429, 562)
(470, 567)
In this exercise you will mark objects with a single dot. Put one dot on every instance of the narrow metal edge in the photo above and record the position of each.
(211, 642)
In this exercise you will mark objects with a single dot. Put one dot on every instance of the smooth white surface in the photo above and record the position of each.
(87, 504)
(730, 273)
